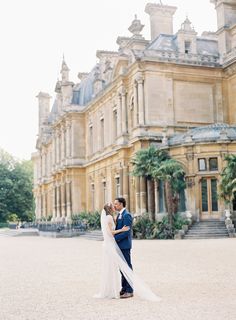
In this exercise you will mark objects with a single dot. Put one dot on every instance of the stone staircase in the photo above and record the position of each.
(18, 232)
(92, 235)
(207, 229)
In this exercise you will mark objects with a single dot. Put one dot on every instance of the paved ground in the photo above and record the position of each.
(55, 279)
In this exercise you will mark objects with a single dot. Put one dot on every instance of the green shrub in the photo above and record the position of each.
(179, 221)
(89, 219)
(13, 217)
(144, 227)
(4, 225)
(165, 230)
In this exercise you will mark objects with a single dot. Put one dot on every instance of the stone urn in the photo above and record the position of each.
(227, 214)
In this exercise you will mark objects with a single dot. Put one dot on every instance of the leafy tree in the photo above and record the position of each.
(228, 180)
(16, 184)
(144, 163)
(172, 174)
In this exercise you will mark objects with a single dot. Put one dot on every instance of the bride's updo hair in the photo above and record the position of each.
(108, 208)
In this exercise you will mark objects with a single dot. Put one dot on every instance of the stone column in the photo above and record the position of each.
(63, 204)
(54, 210)
(53, 150)
(68, 140)
(45, 204)
(126, 184)
(135, 105)
(123, 111)
(72, 138)
(68, 200)
(43, 163)
(57, 147)
(39, 206)
(219, 112)
(58, 203)
(121, 181)
(143, 195)
(47, 170)
(137, 194)
(40, 166)
(62, 144)
(119, 116)
(140, 99)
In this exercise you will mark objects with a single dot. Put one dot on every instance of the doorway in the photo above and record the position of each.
(209, 198)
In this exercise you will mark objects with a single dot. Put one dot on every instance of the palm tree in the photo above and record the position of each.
(228, 181)
(172, 174)
(144, 163)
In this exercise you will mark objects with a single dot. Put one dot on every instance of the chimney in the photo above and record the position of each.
(44, 108)
(161, 19)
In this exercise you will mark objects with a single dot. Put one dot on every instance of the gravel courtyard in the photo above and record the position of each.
(55, 279)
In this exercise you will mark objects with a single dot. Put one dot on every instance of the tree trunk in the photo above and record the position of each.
(175, 203)
(151, 198)
(169, 201)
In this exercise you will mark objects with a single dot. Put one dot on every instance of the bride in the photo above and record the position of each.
(113, 262)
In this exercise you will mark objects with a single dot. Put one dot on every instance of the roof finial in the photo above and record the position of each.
(136, 27)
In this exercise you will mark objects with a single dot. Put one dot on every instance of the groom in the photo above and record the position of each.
(124, 241)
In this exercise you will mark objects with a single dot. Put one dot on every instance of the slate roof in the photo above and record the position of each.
(211, 133)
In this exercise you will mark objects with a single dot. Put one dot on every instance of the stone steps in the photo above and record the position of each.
(18, 233)
(209, 229)
(8, 233)
(93, 235)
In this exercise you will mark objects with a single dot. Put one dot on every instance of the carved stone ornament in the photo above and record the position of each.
(190, 156)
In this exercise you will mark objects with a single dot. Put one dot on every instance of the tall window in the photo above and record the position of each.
(65, 146)
(204, 195)
(187, 46)
(202, 164)
(182, 204)
(132, 115)
(59, 147)
(91, 139)
(93, 196)
(213, 164)
(102, 132)
(117, 187)
(104, 185)
(115, 124)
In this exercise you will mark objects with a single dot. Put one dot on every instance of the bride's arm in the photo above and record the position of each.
(123, 229)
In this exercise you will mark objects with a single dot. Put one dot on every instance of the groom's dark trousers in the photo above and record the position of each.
(124, 241)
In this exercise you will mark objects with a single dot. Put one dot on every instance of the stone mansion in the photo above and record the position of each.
(175, 91)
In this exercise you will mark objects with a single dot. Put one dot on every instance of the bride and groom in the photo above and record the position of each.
(116, 258)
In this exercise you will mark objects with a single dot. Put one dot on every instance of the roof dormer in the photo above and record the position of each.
(187, 38)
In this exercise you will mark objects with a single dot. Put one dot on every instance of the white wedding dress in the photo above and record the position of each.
(113, 262)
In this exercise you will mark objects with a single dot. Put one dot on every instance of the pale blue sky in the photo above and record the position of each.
(34, 36)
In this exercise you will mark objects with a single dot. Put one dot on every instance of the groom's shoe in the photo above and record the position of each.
(127, 295)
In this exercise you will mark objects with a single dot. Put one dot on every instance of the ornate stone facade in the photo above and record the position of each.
(177, 91)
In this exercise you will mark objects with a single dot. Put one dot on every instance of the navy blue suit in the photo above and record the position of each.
(124, 241)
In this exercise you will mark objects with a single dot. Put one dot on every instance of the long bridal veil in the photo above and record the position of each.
(118, 262)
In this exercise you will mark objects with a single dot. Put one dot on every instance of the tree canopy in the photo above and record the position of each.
(16, 184)
(228, 180)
